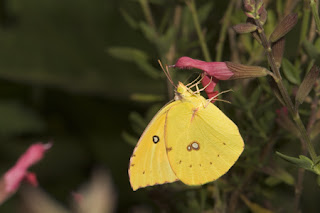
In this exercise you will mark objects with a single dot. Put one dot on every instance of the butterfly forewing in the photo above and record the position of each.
(202, 143)
(149, 163)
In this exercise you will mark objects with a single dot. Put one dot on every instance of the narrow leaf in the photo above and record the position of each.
(315, 131)
(307, 84)
(280, 174)
(312, 51)
(127, 53)
(302, 161)
(136, 56)
(284, 27)
(130, 139)
(291, 72)
(131, 22)
(254, 207)
(137, 119)
(146, 97)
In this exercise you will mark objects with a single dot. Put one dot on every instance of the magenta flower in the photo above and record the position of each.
(19, 172)
(209, 85)
(219, 70)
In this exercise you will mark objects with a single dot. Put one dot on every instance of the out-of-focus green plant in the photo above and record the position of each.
(273, 113)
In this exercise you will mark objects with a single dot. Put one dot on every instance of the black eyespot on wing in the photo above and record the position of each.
(155, 139)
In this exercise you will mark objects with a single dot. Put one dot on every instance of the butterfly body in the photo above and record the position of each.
(189, 139)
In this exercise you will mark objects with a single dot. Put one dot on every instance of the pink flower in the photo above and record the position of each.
(219, 70)
(209, 85)
(19, 172)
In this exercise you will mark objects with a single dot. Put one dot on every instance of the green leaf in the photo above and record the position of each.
(204, 11)
(291, 72)
(136, 56)
(315, 130)
(16, 119)
(312, 51)
(130, 139)
(149, 32)
(302, 161)
(138, 122)
(127, 54)
(146, 97)
(254, 207)
(131, 22)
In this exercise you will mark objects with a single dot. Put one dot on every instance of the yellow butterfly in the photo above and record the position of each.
(189, 140)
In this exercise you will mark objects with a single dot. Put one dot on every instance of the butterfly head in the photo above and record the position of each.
(182, 92)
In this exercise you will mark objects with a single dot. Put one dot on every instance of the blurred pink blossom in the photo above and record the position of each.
(13, 177)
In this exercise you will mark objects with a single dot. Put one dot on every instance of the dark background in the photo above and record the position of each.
(57, 83)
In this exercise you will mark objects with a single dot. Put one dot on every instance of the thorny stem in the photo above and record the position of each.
(315, 13)
(192, 7)
(284, 93)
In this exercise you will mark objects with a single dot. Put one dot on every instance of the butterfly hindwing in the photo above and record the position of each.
(202, 143)
(149, 163)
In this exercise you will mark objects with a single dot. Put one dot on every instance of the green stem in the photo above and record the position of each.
(315, 13)
(192, 6)
(223, 32)
(147, 12)
(284, 93)
(305, 24)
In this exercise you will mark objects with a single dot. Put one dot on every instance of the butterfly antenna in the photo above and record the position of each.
(167, 73)
(198, 82)
(192, 82)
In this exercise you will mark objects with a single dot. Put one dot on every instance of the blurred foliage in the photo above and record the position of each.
(84, 75)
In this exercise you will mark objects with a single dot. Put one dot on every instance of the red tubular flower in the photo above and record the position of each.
(219, 70)
(19, 172)
(209, 85)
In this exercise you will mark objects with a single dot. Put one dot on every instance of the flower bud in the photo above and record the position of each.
(249, 5)
(284, 27)
(307, 84)
(277, 51)
(245, 28)
(263, 15)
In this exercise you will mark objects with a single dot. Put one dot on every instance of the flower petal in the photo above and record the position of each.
(218, 70)
(18, 172)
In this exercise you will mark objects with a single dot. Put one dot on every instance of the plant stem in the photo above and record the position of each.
(284, 93)
(147, 12)
(305, 23)
(315, 13)
(223, 31)
(192, 6)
